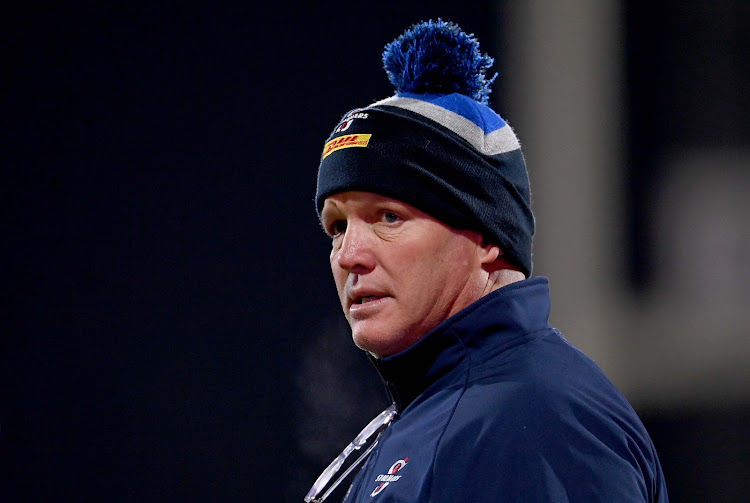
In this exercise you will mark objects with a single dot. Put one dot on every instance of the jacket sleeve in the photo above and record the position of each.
(531, 445)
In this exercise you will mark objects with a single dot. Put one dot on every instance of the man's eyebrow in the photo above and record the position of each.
(329, 205)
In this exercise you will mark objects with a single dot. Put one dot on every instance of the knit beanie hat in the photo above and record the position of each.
(436, 144)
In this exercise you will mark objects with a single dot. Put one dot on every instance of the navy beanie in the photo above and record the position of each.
(436, 144)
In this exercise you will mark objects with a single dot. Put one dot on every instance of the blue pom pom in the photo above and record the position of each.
(438, 57)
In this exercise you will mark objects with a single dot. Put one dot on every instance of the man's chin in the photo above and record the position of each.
(371, 339)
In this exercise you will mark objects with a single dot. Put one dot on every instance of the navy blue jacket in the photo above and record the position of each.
(496, 406)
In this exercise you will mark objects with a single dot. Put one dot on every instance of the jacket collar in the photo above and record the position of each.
(487, 327)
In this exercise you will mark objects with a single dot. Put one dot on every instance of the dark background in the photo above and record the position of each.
(166, 290)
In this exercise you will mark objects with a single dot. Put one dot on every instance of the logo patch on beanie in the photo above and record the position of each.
(352, 140)
(348, 120)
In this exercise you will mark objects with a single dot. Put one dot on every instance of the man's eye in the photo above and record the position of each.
(391, 217)
(337, 227)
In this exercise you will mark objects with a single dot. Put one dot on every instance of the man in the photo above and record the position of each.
(426, 199)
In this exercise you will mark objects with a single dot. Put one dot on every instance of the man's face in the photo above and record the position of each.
(398, 271)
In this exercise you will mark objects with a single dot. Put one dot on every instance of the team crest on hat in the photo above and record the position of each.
(348, 120)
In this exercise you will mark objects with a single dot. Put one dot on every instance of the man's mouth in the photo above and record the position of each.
(364, 306)
(367, 298)
(370, 297)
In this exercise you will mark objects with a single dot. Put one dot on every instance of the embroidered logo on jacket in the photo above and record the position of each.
(389, 477)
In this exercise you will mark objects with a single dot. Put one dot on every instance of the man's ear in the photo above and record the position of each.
(489, 253)
(492, 260)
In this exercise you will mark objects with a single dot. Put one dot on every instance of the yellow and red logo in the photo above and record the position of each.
(352, 140)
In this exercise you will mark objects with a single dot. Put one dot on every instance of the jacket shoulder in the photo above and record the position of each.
(536, 422)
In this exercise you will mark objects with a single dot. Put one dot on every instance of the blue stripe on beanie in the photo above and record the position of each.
(460, 104)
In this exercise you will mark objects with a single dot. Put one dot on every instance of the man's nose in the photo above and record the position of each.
(356, 254)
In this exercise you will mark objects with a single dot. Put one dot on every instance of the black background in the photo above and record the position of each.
(166, 269)
(166, 281)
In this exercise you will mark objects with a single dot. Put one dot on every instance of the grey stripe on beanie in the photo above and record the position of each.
(495, 142)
